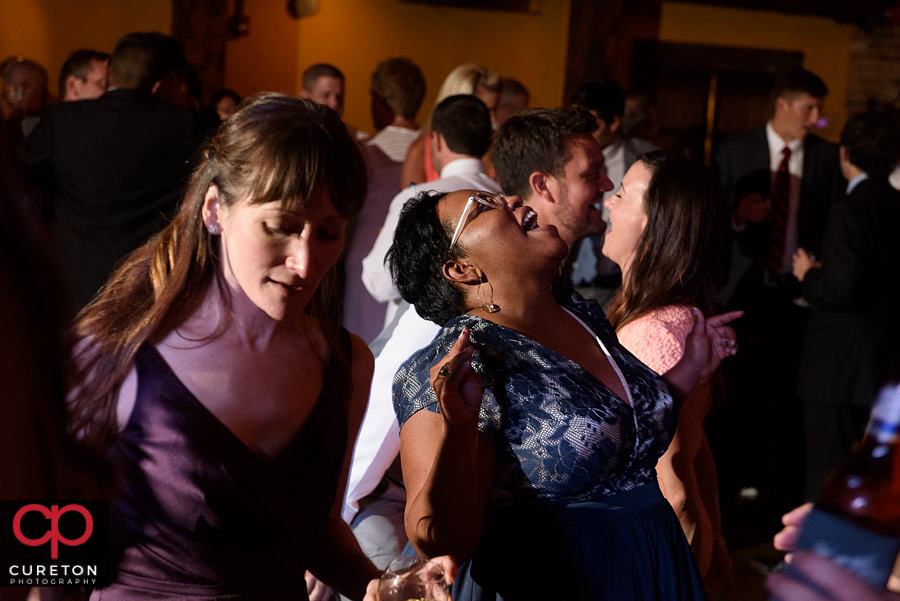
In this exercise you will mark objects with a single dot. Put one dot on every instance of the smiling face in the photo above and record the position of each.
(626, 216)
(796, 115)
(277, 257)
(579, 191)
(502, 238)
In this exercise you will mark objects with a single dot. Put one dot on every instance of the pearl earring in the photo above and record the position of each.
(213, 229)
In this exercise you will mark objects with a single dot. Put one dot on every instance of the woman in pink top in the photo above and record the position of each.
(666, 235)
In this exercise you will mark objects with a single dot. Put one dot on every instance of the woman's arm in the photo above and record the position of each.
(448, 465)
(339, 561)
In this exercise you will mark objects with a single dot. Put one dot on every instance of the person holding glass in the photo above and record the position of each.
(532, 463)
(212, 369)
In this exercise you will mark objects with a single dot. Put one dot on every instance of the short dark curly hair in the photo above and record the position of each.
(537, 140)
(872, 141)
(417, 256)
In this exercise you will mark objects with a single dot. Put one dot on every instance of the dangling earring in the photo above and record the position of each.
(487, 305)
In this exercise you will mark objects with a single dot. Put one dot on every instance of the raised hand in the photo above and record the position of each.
(456, 385)
(710, 341)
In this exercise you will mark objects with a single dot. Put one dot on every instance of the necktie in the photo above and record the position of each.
(781, 195)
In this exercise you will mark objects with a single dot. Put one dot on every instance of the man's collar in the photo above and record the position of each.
(612, 149)
(776, 143)
(856, 181)
(463, 165)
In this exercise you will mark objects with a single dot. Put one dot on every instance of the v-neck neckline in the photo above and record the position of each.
(229, 433)
(629, 402)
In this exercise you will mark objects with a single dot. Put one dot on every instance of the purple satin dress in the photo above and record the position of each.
(201, 516)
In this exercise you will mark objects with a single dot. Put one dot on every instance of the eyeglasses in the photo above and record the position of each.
(491, 201)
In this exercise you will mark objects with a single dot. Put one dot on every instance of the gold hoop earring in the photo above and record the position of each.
(487, 305)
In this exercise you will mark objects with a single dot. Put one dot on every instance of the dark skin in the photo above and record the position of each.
(448, 465)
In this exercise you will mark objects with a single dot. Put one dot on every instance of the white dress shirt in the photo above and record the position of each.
(379, 436)
(460, 174)
(795, 168)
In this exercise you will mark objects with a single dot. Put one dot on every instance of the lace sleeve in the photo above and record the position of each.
(657, 339)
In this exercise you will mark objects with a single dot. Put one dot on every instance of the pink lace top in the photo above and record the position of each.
(657, 338)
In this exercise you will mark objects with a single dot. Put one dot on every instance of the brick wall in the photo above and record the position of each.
(874, 68)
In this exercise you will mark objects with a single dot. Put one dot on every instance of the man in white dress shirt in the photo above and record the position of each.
(781, 180)
(375, 499)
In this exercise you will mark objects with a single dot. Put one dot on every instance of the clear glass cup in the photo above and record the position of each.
(413, 579)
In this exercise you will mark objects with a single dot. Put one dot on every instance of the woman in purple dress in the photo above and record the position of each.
(213, 370)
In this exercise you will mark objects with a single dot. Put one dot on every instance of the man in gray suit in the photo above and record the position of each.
(605, 99)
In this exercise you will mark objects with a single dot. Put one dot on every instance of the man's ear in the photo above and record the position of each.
(543, 186)
(72, 85)
(461, 272)
(438, 140)
(615, 124)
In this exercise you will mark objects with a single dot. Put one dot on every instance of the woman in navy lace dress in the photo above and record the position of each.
(532, 463)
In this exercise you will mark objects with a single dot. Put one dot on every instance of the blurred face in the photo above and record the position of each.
(504, 237)
(795, 116)
(225, 107)
(489, 98)
(95, 85)
(277, 258)
(328, 91)
(27, 89)
(580, 191)
(516, 106)
(627, 217)
(606, 132)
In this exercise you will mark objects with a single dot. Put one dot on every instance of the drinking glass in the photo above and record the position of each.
(413, 579)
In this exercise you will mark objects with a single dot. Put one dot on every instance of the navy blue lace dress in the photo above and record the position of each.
(575, 512)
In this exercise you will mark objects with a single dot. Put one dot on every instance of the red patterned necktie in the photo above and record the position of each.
(781, 196)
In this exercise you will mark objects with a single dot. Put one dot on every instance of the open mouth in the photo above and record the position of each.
(530, 220)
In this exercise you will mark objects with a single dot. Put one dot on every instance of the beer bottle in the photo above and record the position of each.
(856, 519)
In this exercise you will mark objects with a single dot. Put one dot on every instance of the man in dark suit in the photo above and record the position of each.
(113, 165)
(854, 326)
(781, 181)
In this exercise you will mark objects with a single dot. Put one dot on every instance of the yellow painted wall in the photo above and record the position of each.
(265, 60)
(355, 35)
(825, 43)
(46, 31)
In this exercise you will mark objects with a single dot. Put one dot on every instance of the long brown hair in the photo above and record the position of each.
(679, 255)
(275, 147)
